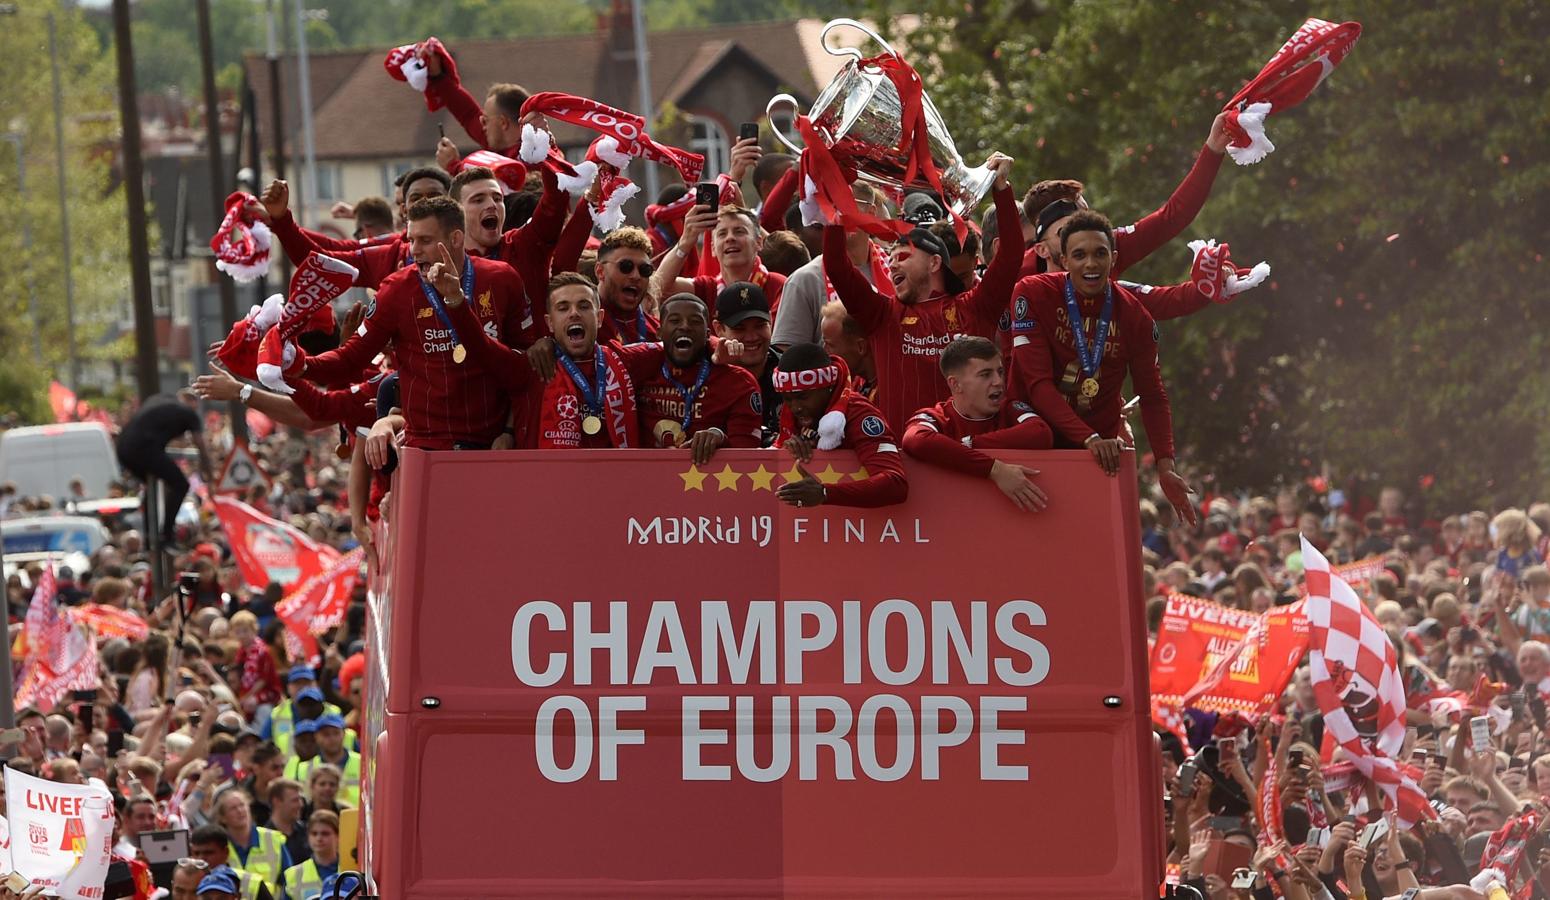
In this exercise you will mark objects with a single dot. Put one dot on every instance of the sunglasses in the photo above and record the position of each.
(628, 266)
(189, 862)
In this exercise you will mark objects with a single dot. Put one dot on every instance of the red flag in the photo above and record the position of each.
(267, 550)
(1355, 675)
(111, 622)
(1250, 676)
(319, 603)
(62, 400)
(1301, 65)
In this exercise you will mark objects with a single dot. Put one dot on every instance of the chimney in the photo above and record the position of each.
(616, 80)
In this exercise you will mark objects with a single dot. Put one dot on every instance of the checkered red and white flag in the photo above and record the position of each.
(1355, 676)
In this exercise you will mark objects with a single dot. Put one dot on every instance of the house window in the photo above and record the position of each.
(330, 182)
(784, 122)
(708, 138)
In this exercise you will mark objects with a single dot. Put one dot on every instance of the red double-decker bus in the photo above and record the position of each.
(615, 674)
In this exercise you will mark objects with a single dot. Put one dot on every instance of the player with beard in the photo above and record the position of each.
(623, 273)
(743, 315)
(448, 403)
(687, 400)
(821, 413)
(567, 404)
(930, 306)
(1072, 376)
(735, 240)
(373, 262)
(978, 417)
(527, 249)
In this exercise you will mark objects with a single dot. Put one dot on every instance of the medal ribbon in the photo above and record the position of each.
(1089, 357)
(435, 298)
(689, 395)
(591, 398)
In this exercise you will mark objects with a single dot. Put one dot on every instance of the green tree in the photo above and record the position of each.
(96, 204)
(1403, 215)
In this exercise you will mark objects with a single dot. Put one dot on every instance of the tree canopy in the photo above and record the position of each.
(1404, 214)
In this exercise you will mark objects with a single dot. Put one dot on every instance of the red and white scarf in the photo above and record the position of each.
(627, 128)
(613, 189)
(241, 243)
(318, 280)
(1301, 65)
(239, 352)
(831, 426)
(407, 64)
(559, 425)
(511, 173)
(1213, 274)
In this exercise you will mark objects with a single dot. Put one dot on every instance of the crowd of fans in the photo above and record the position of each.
(1465, 599)
(745, 313)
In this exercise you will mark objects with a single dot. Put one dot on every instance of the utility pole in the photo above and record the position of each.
(643, 81)
(309, 187)
(218, 188)
(276, 116)
(147, 377)
(64, 203)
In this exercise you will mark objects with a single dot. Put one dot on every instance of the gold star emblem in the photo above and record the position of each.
(726, 479)
(694, 479)
(829, 476)
(761, 478)
(861, 474)
(792, 475)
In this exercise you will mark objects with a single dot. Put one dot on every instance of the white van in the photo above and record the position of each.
(42, 459)
(62, 540)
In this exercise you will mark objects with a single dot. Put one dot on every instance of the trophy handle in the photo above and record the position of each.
(777, 101)
(852, 52)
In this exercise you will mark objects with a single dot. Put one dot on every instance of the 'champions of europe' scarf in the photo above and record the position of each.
(627, 128)
(318, 280)
(559, 426)
(1301, 65)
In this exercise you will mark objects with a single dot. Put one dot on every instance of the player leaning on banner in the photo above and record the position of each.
(821, 412)
(977, 417)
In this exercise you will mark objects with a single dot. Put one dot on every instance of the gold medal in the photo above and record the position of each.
(591, 424)
(1089, 388)
(459, 353)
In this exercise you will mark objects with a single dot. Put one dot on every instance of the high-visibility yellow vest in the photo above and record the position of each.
(303, 881)
(267, 860)
(282, 724)
(349, 784)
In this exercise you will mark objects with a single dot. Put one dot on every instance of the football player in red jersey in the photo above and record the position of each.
(978, 417)
(821, 412)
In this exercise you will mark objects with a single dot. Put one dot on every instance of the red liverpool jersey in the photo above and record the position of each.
(943, 436)
(445, 403)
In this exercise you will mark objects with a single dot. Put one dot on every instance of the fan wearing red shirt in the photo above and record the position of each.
(687, 400)
(527, 249)
(623, 273)
(1072, 377)
(448, 403)
(735, 241)
(819, 412)
(977, 417)
(908, 331)
(373, 262)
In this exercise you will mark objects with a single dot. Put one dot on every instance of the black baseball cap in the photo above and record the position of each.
(925, 240)
(921, 209)
(741, 300)
(1053, 213)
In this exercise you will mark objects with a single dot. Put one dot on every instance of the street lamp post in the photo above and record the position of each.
(309, 187)
(64, 202)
